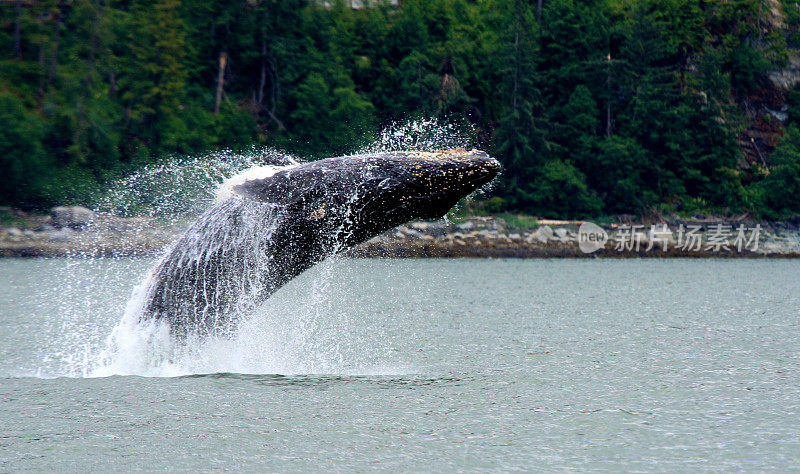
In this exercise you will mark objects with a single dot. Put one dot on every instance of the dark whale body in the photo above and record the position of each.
(243, 249)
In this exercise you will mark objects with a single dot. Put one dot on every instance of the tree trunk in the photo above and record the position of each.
(223, 61)
(112, 88)
(261, 83)
(539, 11)
(268, 73)
(18, 31)
(608, 102)
(93, 45)
(516, 69)
(263, 80)
(41, 62)
(51, 74)
(95, 27)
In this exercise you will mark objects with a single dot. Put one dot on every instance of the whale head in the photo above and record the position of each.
(427, 185)
(359, 196)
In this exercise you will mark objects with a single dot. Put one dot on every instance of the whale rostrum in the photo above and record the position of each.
(271, 229)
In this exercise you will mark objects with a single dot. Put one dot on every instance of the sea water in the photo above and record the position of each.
(432, 365)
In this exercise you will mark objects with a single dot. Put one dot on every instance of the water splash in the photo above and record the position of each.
(184, 187)
(305, 328)
(425, 135)
(302, 329)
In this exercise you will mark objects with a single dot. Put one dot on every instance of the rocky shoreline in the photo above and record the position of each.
(490, 237)
(78, 232)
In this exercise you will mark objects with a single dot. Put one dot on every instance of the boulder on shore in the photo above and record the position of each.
(71, 216)
(543, 234)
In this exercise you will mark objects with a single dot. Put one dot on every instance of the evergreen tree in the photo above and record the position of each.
(152, 82)
(598, 106)
(519, 142)
(781, 187)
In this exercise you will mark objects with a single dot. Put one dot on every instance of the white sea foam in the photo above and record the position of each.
(306, 328)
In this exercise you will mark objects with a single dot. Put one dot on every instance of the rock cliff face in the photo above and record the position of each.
(766, 110)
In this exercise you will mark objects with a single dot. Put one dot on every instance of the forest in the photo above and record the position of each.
(594, 107)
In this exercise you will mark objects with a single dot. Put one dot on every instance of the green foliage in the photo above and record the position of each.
(70, 185)
(334, 117)
(493, 205)
(781, 188)
(623, 165)
(594, 107)
(519, 221)
(23, 163)
(561, 191)
(8, 219)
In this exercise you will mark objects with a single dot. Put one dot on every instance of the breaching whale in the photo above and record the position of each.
(271, 229)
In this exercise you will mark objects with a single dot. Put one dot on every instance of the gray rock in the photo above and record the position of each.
(71, 216)
(787, 77)
(495, 223)
(543, 234)
(465, 226)
(61, 235)
(780, 115)
(419, 225)
(13, 232)
(561, 233)
(771, 248)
